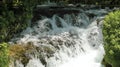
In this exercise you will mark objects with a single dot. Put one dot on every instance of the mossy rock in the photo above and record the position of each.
(25, 52)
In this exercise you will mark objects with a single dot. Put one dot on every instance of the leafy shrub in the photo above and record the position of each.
(14, 16)
(111, 32)
(4, 59)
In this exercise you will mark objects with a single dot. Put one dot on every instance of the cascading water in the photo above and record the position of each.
(74, 40)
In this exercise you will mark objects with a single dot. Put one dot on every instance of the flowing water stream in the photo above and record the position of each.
(74, 40)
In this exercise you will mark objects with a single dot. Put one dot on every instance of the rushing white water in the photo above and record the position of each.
(73, 41)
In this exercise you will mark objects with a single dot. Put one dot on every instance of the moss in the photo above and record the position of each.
(21, 52)
(16, 52)
(25, 52)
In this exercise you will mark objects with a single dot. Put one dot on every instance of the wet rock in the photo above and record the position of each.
(58, 22)
(49, 11)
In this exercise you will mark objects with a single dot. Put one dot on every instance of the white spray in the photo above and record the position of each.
(76, 41)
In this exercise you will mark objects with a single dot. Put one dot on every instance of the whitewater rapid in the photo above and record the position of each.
(74, 41)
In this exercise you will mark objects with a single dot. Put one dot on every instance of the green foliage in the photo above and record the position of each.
(97, 2)
(4, 60)
(111, 32)
(14, 16)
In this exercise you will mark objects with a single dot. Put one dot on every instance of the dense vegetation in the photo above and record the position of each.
(15, 14)
(100, 2)
(111, 31)
(14, 17)
(4, 60)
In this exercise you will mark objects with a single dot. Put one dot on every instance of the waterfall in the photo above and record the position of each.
(74, 40)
